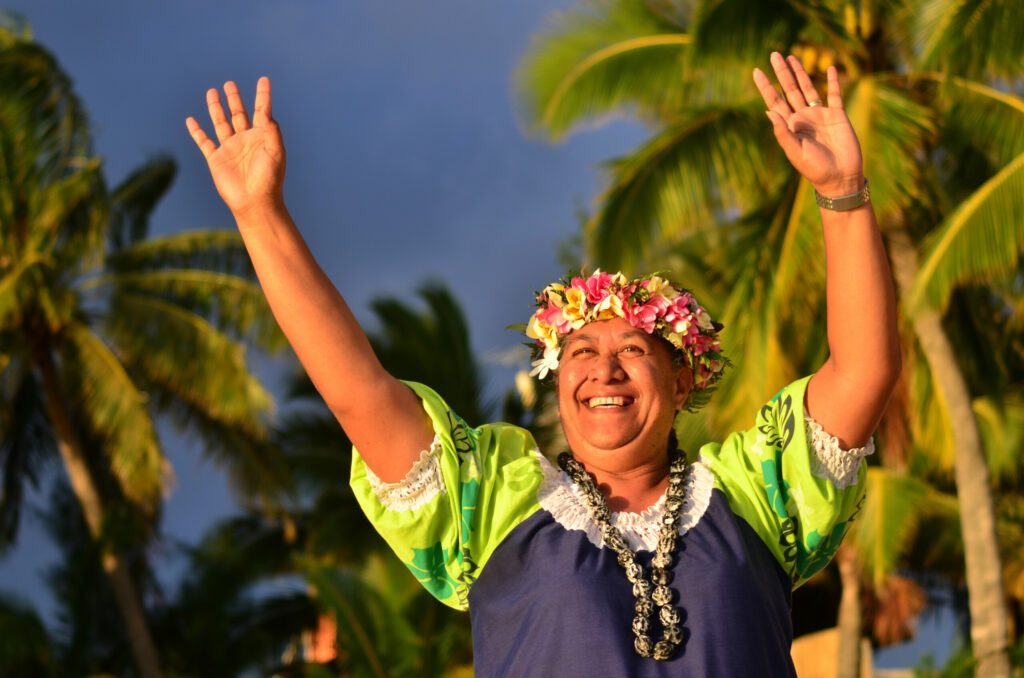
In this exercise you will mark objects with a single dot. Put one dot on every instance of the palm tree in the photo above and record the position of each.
(928, 84)
(102, 327)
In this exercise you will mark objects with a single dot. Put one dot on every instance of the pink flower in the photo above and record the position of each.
(596, 286)
(552, 315)
(681, 319)
(645, 316)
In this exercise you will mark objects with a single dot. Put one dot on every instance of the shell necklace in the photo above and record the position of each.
(661, 564)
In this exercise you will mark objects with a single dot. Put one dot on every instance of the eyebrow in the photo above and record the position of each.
(576, 336)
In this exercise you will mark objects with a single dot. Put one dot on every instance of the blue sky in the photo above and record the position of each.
(405, 162)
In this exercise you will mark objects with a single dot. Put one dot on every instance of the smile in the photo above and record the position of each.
(609, 401)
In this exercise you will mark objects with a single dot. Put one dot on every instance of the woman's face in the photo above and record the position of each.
(618, 392)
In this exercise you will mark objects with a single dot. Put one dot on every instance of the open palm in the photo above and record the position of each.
(248, 166)
(817, 139)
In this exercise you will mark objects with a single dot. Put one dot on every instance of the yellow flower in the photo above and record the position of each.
(551, 292)
(662, 287)
(538, 329)
(575, 309)
(610, 307)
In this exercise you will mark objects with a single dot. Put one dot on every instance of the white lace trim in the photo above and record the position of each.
(560, 497)
(422, 483)
(830, 460)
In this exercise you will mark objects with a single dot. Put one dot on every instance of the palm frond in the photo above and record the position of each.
(1001, 425)
(989, 119)
(981, 240)
(68, 216)
(709, 161)
(593, 60)
(19, 286)
(893, 507)
(976, 38)
(213, 250)
(134, 199)
(371, 632)
(26, 445)
(892, 128)
(932, 452)
(733, 31)
(106, 397)
(25, 646)
(231, 303)
(181, 353)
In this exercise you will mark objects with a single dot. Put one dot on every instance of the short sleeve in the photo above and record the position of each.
(457, 503)
(791, 481)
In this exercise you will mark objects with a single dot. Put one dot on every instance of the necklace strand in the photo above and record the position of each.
(648, 592)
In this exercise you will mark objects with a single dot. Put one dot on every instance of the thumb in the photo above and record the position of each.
(787, 140)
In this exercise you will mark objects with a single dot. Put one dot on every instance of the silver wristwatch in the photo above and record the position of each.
(844, 202)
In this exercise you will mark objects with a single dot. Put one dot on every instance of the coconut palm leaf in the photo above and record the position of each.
(231, 303)
(213, 250)
(25, 646)
(971, 37)
(187, 356)
(743, 30)
(1001, 424)
(891, 126)
(433, 348)
(979, 242)
(375, 638)
(893, 507)
(594, 59)
(988, 118)
(26, 446)
(116, 411)
(932, 430)
(679, 181)
(134, 199)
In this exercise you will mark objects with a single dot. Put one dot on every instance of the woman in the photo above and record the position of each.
(631, 559)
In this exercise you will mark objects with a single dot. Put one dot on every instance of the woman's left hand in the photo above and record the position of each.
(818, 140)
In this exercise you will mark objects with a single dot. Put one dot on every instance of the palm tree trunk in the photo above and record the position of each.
(128, 602)
(986, 596)
(850, 614)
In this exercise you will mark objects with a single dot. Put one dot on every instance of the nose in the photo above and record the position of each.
(606, 368)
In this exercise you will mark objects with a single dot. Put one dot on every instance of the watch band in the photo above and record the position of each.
(844, 202)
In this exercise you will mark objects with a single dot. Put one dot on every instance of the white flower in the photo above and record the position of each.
(703, 319)
(547, 363)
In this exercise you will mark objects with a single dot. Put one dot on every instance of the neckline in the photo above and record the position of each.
(566, 503)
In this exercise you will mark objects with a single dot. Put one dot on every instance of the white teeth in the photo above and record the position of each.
(605, 401)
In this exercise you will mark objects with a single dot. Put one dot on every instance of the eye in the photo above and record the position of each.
(581, 350)
(632, 348)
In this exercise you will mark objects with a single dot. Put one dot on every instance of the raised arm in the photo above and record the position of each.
(382, 417)
(849, 393)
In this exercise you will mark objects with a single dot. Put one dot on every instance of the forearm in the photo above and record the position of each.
(321, 328)
(863, 339)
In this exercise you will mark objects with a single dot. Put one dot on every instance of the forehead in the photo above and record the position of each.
(617, 329)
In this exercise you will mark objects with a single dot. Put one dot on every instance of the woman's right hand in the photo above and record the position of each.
(248, 165)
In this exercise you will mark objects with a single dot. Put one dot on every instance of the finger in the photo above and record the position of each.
(205, 143)
(803, 80)
(239, 118)
(787, 140)
(261, 112)
(221, 126)
(792, 91)
(771, 97)
(835, 94)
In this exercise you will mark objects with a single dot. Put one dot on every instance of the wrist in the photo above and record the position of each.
(260, 211)
(843, 186)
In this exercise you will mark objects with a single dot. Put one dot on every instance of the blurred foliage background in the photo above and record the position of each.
(104, 329)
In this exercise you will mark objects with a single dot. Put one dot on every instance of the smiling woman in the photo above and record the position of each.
(629, 557)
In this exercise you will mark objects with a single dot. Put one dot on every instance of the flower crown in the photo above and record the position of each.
(651, 304)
